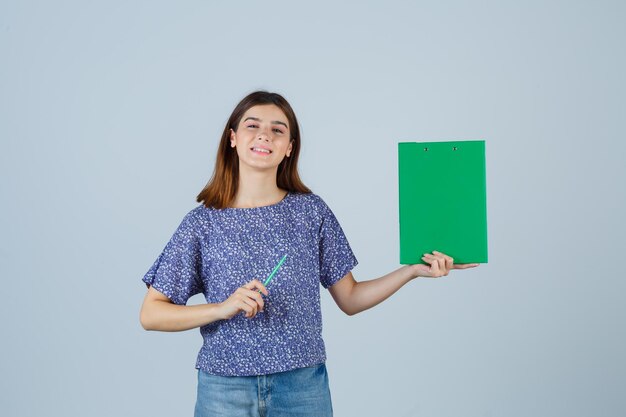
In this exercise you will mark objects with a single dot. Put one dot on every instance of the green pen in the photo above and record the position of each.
(267, 281)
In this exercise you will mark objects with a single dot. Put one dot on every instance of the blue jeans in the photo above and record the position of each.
(301, 392)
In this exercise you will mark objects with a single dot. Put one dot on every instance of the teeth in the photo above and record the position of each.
(261, 150)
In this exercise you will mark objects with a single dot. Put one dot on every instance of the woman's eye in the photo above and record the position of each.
(275, 129)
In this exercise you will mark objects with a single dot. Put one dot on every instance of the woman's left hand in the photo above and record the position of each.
(439, 265)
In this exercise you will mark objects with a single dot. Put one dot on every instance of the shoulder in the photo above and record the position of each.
(310, 198)
(314, 206)
(195, 214)
(311, 201)
(196, 218)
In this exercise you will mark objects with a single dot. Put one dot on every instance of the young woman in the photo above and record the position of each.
(263, 351)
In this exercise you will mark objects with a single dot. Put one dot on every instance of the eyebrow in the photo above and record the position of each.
(276, 122)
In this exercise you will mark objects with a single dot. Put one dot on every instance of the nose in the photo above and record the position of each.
(264, 135)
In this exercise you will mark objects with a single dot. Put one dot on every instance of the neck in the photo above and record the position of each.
(257, 189)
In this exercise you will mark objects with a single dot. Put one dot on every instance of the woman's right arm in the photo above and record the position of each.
(159, 313)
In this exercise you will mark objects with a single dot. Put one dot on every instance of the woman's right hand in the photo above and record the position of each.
(246, 299)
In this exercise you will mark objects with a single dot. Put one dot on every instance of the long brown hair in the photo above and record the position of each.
(221, 189)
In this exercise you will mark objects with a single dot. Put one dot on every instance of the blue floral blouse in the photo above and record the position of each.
(216, 251)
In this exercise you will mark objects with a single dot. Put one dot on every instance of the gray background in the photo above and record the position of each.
(110, 114)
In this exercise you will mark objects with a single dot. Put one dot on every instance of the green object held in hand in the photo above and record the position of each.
(267, 281)
(443, 200)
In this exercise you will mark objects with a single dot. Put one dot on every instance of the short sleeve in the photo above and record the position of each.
(176, 272)
(336, 256)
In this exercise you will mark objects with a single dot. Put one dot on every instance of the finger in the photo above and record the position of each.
(449, 260)
(428, 258)
(436, 264)
(441, 264)
(465, 266)
(256, 284)
(434, 268)
(252, 284)
(437, 253)
(251, 307)
(428, 261)
(244, 307)
(248, 298)
(255, 296)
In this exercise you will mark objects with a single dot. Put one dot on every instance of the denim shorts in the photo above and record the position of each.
(300, 392)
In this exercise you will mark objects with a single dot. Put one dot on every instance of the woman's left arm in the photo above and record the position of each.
(352, 297)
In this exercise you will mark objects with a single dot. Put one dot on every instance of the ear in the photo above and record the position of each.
(233, 138)
(289, 148)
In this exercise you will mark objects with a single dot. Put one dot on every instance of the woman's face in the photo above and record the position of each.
(262, 138)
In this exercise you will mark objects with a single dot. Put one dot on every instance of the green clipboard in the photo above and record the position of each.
(443, 200)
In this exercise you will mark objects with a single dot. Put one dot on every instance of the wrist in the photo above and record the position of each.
(215, 312)
(413, 271)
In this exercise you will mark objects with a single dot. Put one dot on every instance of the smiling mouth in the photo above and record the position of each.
(261, 150)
